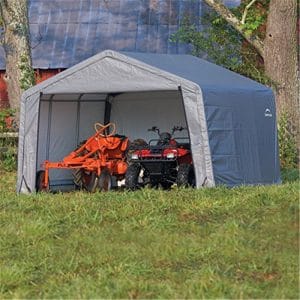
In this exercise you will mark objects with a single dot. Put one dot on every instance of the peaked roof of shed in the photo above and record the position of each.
(184, 69)
(197, 70)
(65, 32)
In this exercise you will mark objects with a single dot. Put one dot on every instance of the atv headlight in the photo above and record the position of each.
(171, 155)
(134, 156)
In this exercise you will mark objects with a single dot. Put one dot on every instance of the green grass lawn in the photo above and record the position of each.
(209, 243)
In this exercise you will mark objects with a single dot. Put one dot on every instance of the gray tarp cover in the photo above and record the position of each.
(231, 119)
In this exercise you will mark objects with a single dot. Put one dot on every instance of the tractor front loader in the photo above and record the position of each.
(93, 163)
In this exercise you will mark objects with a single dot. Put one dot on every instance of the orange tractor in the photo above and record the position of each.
(93, 163)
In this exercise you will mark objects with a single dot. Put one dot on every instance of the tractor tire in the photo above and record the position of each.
(90, 181)
(77, 173)
(40, 178)
(77, 178)
(132, 176)
(105, 181)
(186, 176)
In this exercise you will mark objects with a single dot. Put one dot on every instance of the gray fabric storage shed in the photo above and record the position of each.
(230, 119)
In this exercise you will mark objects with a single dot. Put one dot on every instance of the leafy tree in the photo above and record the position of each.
(223, 45)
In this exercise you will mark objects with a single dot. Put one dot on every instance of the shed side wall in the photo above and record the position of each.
(243, 136)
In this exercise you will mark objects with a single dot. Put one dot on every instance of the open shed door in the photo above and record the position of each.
(66, 120)
(134, 113)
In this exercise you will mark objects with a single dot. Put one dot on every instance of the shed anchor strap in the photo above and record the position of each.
(27, 187)
(204, 181)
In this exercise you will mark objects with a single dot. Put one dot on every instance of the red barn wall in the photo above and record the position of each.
(40, 75)
(3, 91)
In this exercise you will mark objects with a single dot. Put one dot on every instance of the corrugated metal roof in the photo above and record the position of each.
(65, 32)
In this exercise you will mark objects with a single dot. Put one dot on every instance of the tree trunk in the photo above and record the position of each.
(280, 55)
(19, 74)
(281, 62)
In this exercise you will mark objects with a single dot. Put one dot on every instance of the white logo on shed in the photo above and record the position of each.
(268, 113)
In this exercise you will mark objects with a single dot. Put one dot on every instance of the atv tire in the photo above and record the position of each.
(186, 176)
(105, 181)
(166, 185)
(132, 177)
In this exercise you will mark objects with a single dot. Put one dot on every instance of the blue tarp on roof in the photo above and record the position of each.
(65, 32)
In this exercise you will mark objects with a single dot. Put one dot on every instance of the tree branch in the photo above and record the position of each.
(246, 11)
(226, 14)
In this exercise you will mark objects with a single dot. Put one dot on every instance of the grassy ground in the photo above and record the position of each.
(210, 243)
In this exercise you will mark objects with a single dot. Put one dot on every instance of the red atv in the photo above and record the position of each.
(162, 162)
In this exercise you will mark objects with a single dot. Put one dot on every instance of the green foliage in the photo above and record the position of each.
(21, 29)
(8, 146)
(220, 48)
(27, 79)
(212, 243)
(253, 24)
(256, 17)
(5, 113)
(8, 158)
(224, 45)
(287, 143)
(290, 175)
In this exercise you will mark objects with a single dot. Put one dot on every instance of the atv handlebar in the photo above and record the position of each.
(154, 129)
(175, 128)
